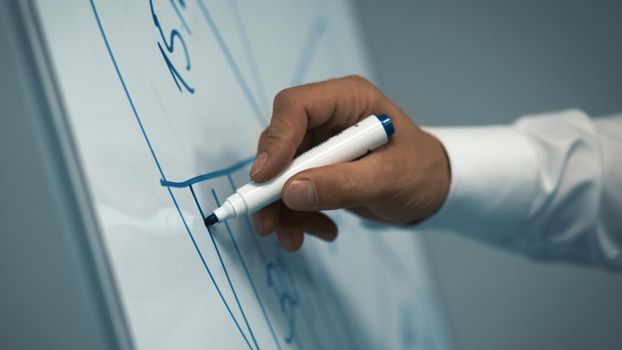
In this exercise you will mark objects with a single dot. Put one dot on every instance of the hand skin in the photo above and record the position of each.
(403, 182)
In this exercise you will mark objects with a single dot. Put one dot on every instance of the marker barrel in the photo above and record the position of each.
(352, 143)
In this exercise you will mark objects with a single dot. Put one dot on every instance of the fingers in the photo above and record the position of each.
(291, 237)
(266, 220)
(317, 224)
(342, 185)
(291, 225)
(334, 104)
(290, 231)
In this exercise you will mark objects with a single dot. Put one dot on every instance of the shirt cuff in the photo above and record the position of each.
(493, 176)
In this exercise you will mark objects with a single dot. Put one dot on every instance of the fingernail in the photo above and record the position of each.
(301, 194)
(259, 163)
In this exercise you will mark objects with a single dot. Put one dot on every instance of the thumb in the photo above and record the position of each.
(334, 186)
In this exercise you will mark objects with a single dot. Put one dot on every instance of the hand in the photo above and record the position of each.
(402, 182)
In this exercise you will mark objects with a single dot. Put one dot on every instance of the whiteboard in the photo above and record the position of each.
(166, 100)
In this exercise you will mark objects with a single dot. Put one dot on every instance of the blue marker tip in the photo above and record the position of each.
(210, 220)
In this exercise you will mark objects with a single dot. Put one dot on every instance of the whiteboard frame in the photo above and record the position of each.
(72, 239)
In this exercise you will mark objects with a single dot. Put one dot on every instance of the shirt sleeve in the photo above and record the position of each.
(548, 186)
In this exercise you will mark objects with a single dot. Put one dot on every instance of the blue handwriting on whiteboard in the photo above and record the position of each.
(169, 45)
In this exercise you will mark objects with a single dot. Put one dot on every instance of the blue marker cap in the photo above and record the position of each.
(386, 124)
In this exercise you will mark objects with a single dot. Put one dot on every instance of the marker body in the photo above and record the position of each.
(354, 142)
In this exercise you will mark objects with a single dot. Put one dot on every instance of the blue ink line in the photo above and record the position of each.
(236, 70)
(254, 105)
(274, 284)
(248, 50)
(209, 272)
(322, 309)
(170, 45)
(224, 268)
(345, 325)
(251, 229)
(177, 78)
(181, 17)
(407, 326)
(317, 29)
(308, 317)
(211, 175)
(268, 265)
(293, 298)
(297, 338)
(127, 94)
(142, 129)
(248, 275)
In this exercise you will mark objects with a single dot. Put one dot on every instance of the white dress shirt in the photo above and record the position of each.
(549, 186)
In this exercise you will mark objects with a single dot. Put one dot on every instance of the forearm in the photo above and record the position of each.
(542, 186)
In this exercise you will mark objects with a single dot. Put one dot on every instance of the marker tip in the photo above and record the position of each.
(210, 220)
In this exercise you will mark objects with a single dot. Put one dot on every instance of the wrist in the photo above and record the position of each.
(438, 180)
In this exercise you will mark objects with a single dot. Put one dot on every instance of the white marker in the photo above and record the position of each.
(352, 143)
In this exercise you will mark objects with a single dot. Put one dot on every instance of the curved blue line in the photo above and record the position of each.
(309, 47)
(211, 175)
(209, 272)
(144, 133)
(127, 93)
(232, 63)
(224, 268)
(248, 275)
(181, 17)
(248, 49)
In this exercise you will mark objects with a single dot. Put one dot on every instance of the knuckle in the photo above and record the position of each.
(263, 134)
(263, 137)
(275, 134)
(366, 90)
(358, 79)
(284, 98)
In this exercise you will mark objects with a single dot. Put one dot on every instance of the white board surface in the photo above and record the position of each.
(162, 92)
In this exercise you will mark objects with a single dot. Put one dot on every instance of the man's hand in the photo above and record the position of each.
(402, 182)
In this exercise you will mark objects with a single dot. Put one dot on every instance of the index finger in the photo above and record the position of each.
(335, 104)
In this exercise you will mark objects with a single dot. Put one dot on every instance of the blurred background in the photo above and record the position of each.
(487, 61)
